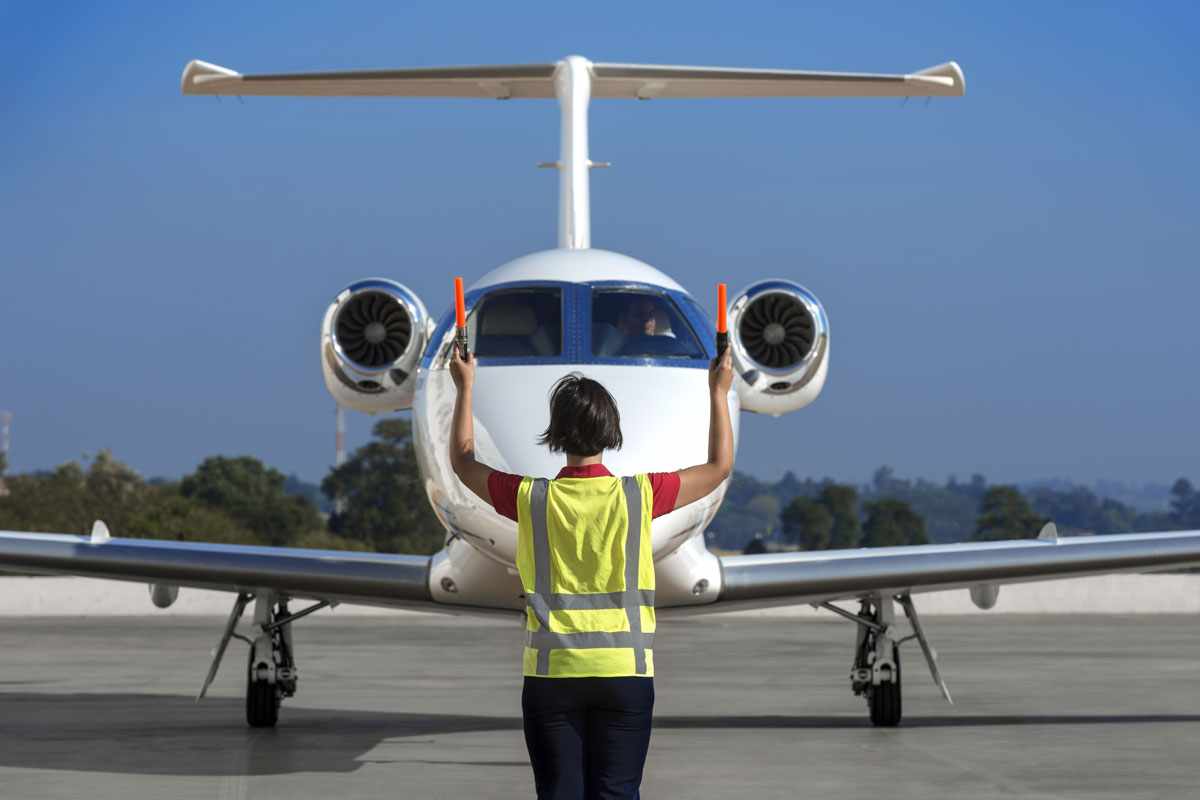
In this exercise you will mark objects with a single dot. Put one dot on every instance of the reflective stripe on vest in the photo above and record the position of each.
(541, 601)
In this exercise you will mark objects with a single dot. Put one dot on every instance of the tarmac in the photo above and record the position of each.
(410, 706)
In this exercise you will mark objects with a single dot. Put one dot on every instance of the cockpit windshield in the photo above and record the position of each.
(518, 322)
(635, 324)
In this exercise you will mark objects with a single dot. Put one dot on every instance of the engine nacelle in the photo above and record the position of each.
(372, 338)
(779, 337)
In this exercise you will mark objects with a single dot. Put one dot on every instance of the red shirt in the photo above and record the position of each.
(503, 486)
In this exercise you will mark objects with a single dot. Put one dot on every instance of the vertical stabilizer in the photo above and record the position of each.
(573, 88)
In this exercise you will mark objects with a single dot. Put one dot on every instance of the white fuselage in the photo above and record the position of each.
(664, 419)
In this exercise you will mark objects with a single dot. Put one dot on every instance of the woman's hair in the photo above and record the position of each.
(583, 418)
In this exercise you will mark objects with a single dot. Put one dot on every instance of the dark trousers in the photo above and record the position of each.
(587, 737)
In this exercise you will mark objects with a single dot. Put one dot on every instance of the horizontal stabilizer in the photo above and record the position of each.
(646, 82)
(523, 80)
(629, 81)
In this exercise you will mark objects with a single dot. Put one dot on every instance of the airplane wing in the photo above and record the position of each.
(332, 575)
(629, 81)
(752, 581)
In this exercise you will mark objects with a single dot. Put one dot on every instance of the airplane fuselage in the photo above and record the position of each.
(663, 402)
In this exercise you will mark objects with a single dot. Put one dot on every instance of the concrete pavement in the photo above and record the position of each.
(407, 706)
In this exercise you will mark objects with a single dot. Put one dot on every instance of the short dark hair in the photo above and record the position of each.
(583, 418)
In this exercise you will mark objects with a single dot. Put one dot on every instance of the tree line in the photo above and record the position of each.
(383, 507)
(824, 514)
(238, 500)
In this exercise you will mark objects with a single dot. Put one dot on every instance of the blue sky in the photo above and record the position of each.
(1011, 277)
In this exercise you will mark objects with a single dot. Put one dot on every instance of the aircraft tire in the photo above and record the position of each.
(262, 701)
(884, 700)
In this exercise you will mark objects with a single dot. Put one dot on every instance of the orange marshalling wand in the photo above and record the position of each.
(722, 330)
(460, 317)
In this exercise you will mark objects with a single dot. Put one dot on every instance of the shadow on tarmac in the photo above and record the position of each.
(172, 735)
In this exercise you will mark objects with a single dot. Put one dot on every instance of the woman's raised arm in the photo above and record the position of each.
(698, 481)
(462, 428)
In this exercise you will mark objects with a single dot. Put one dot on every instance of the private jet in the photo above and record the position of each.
(642, 335)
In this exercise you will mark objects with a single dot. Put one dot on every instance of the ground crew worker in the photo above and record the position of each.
(586, 564)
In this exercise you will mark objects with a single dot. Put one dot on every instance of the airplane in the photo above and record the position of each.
(643, 336)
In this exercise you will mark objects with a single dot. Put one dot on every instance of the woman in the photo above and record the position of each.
(586, 564)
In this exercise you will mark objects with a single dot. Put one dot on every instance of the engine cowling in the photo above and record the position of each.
(372, 338)
(779, 338)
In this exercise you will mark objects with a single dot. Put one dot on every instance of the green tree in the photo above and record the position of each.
(841, 501)
(892, 523)
(755, 546)
(384, 499)
(253, 495)
(1185, 504)
(3, 463)
(1005, 514)
(807, 523)
(766, 508)
(70, 498)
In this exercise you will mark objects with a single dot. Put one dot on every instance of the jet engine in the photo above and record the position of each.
(779, 337)
(372, 338)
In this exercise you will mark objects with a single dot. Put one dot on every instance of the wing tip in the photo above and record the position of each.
(951, 70)
(197, 72)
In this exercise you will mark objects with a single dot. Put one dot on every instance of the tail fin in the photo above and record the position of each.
(574, 81)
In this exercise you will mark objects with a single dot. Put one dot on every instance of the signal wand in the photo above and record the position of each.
(460, 318)
(722, 331)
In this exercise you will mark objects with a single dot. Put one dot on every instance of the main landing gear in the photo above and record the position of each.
(875, 673)
(271, 673)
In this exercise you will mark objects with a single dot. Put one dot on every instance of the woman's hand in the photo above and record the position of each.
(720, 373)
(463, 372)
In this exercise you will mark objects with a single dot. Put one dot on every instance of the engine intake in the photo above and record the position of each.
(777, 330)
(373, 329)
(780, 346)
(372, 337)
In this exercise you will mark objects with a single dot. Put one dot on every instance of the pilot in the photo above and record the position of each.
(585, 559)
(640, 317)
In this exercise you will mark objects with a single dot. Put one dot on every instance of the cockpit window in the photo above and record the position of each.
(518, 322)
(633, 324)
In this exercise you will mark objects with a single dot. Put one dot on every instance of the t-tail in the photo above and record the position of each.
(574, 81)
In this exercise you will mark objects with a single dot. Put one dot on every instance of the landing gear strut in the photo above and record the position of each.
(875, 673)
(876, 670)
(271, 673)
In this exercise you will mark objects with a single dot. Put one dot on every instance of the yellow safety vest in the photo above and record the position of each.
(587, 567)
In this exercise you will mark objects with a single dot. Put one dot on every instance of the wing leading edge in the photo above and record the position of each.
(369, 578)
(782, 578)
